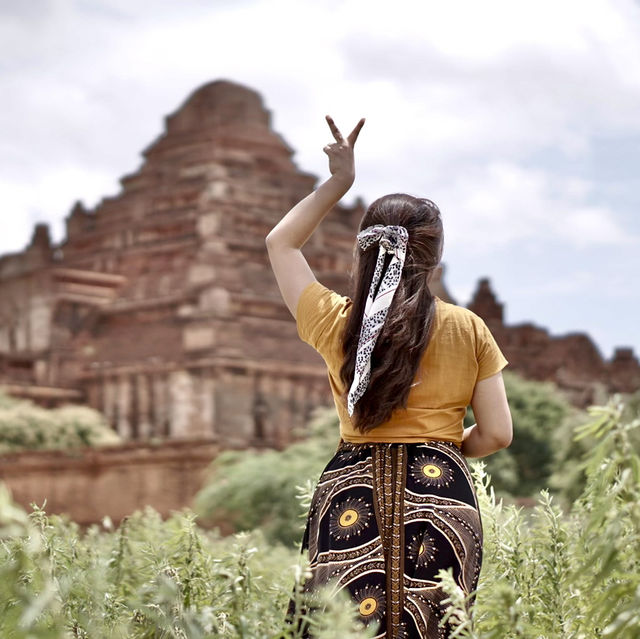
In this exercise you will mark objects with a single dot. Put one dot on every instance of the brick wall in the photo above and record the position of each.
(90, 483)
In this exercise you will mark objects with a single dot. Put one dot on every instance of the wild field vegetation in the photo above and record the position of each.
(548, 572)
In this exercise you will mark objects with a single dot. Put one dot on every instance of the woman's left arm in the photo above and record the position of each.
(286, 239)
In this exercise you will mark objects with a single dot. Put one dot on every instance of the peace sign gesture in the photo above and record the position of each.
(340, 152)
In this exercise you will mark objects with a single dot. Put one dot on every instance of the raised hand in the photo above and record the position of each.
(340, 152)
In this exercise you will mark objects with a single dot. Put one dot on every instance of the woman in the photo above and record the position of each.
(396, 502)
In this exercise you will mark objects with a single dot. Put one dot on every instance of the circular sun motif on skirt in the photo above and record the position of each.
(349, 517)
(422, 549)
(431, 471)
(371, 603)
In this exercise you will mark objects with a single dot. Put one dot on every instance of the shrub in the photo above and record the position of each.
(151, 578)
(251, 489)
(543, 420)
(575, 575)
(25, 426)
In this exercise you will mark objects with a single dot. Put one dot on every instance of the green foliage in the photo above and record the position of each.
(151, 579)
(25, 426)
(542, 424)
(250, 489)
(545, 574)
(565, 576)
(569, 477)
(632, 405)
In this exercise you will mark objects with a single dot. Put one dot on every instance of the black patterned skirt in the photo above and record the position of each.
(384, 519)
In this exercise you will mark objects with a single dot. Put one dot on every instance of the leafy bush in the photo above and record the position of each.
(250, 489)
(25, 426)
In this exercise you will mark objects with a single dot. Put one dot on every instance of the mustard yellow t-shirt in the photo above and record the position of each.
(460, 352)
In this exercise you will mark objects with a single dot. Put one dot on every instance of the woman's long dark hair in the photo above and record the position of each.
(405, 335)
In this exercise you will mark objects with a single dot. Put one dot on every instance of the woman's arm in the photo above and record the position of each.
(493, 429)
(286, 239)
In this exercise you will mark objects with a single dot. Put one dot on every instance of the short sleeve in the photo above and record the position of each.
(320, 317)
(488, 354)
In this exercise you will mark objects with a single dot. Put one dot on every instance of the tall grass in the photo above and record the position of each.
(572, 575)
(546, 573)
(151, 578)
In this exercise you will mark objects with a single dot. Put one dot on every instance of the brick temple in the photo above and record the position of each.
(160, 309)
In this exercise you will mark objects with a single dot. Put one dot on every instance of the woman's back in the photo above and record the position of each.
(461, 351)
(396, 503)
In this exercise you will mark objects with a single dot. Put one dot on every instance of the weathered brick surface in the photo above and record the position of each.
(160, 308)
(180, 345)
(572, 361)
(89, 483)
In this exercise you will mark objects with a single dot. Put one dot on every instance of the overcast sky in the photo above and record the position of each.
(521, 120)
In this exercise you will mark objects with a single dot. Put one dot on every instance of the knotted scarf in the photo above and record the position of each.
(393, 240)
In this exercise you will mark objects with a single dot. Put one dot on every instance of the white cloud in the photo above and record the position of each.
(464, 101)
(491, 206)
(505, 78)
(48, 197)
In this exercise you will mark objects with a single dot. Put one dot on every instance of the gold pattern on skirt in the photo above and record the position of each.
(349, 518)
(430, 470)
(371, 602)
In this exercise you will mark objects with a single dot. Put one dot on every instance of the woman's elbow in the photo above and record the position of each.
(505, 440)
(499, 434)
(505, 435)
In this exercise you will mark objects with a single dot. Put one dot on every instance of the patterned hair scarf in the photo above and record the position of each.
(393, 240)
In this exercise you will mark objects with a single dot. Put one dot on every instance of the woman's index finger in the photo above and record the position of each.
(334, 129)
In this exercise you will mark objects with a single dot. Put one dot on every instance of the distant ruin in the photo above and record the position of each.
(160, 309)
(571, 361)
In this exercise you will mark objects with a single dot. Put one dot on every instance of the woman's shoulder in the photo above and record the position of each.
(454, 316)
(320, 315)
(453, 311)
(315, 290)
